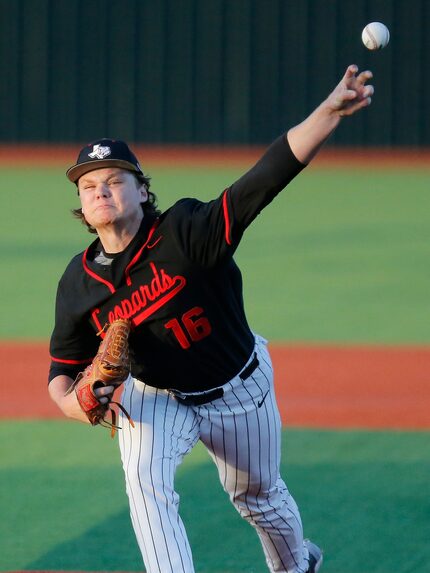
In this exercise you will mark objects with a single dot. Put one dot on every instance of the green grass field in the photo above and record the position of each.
(342, 255)
(363, 495)
(339, 257)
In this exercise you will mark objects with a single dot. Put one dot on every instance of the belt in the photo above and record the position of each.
(250, 369)
(210, 395)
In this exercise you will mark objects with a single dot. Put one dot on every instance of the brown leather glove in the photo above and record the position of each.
(110, 367)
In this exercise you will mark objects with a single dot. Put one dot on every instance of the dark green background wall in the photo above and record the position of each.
(205, 71)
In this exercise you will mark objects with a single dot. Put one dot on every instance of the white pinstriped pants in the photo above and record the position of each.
(244, 441)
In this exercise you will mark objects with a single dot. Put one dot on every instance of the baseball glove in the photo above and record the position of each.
(110, 367)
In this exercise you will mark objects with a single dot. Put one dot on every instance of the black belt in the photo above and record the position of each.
(250, 369)
(210, 395)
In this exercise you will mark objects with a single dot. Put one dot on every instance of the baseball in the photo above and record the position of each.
(375, 36)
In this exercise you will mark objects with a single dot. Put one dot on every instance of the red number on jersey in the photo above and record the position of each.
(196, 325)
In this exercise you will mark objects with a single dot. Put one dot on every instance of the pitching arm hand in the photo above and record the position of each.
(350, 95)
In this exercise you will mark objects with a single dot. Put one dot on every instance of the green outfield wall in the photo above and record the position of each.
(205, 71)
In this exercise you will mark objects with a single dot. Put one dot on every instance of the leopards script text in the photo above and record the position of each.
(146, 299)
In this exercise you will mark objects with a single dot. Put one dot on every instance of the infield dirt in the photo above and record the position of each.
(317, 386)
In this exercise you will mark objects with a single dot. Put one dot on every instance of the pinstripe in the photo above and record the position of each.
(134, 514)
(214, 444)
(270, 420)
(236, 452)
(143, 536)
(179, 454)
(263, 513)
(248, 445)
(266, 536)
(233, 428)
(133, 505)
(171, 456)
(164, 482)
(240, 403)
(172, 467)
(263, 541)
(212, 448)
(163, 533)
(247, 493)
(151, 476)
(142, 491)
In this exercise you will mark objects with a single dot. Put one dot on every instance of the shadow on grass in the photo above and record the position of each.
(364, 496)
(220, 539)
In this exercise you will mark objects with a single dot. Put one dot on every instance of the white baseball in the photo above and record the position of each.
(375, 36)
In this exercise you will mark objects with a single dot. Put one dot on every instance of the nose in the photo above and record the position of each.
(102, 190)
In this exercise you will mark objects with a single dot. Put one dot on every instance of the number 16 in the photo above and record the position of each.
(193, 323)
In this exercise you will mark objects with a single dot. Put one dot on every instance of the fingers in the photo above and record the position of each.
(355, 85)
(368, 92)
(363, 77)
(365, 94)
(353, 93)
(354, 81)
(349, 95)
(104, 394)
(350, 72)
(355, 107)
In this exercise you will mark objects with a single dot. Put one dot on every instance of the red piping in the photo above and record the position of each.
(139, 252)
(87, 360)
(226, 218)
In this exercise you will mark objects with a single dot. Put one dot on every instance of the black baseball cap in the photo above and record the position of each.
(104, 153)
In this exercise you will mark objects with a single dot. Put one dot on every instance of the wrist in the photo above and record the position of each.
(67, 403)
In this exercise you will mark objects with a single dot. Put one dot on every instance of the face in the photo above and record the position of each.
(111, 196)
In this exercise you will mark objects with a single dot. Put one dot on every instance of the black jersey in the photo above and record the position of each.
(177, 282)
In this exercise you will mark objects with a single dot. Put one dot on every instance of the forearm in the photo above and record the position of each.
(68, 404)
(308, 137)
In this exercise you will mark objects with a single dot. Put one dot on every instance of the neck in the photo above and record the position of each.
(116, 238)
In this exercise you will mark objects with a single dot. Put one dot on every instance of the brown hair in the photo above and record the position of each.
(149, 208)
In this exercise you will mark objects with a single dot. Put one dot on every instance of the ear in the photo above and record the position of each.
(143, 193)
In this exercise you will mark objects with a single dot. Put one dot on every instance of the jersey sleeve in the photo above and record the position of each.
(210, 231)
(73, 342)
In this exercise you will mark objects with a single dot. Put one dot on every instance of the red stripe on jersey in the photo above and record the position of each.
(94, 275)
(86, 361)
(162, 301)
(140, 251)
(226, 218)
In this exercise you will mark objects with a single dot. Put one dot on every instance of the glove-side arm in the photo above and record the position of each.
(68, 402)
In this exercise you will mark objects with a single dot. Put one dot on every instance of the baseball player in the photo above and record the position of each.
(198, 371)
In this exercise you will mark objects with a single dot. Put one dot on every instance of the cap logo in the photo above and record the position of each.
(99, 151)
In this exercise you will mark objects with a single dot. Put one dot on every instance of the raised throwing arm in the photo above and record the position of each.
(350, 95)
